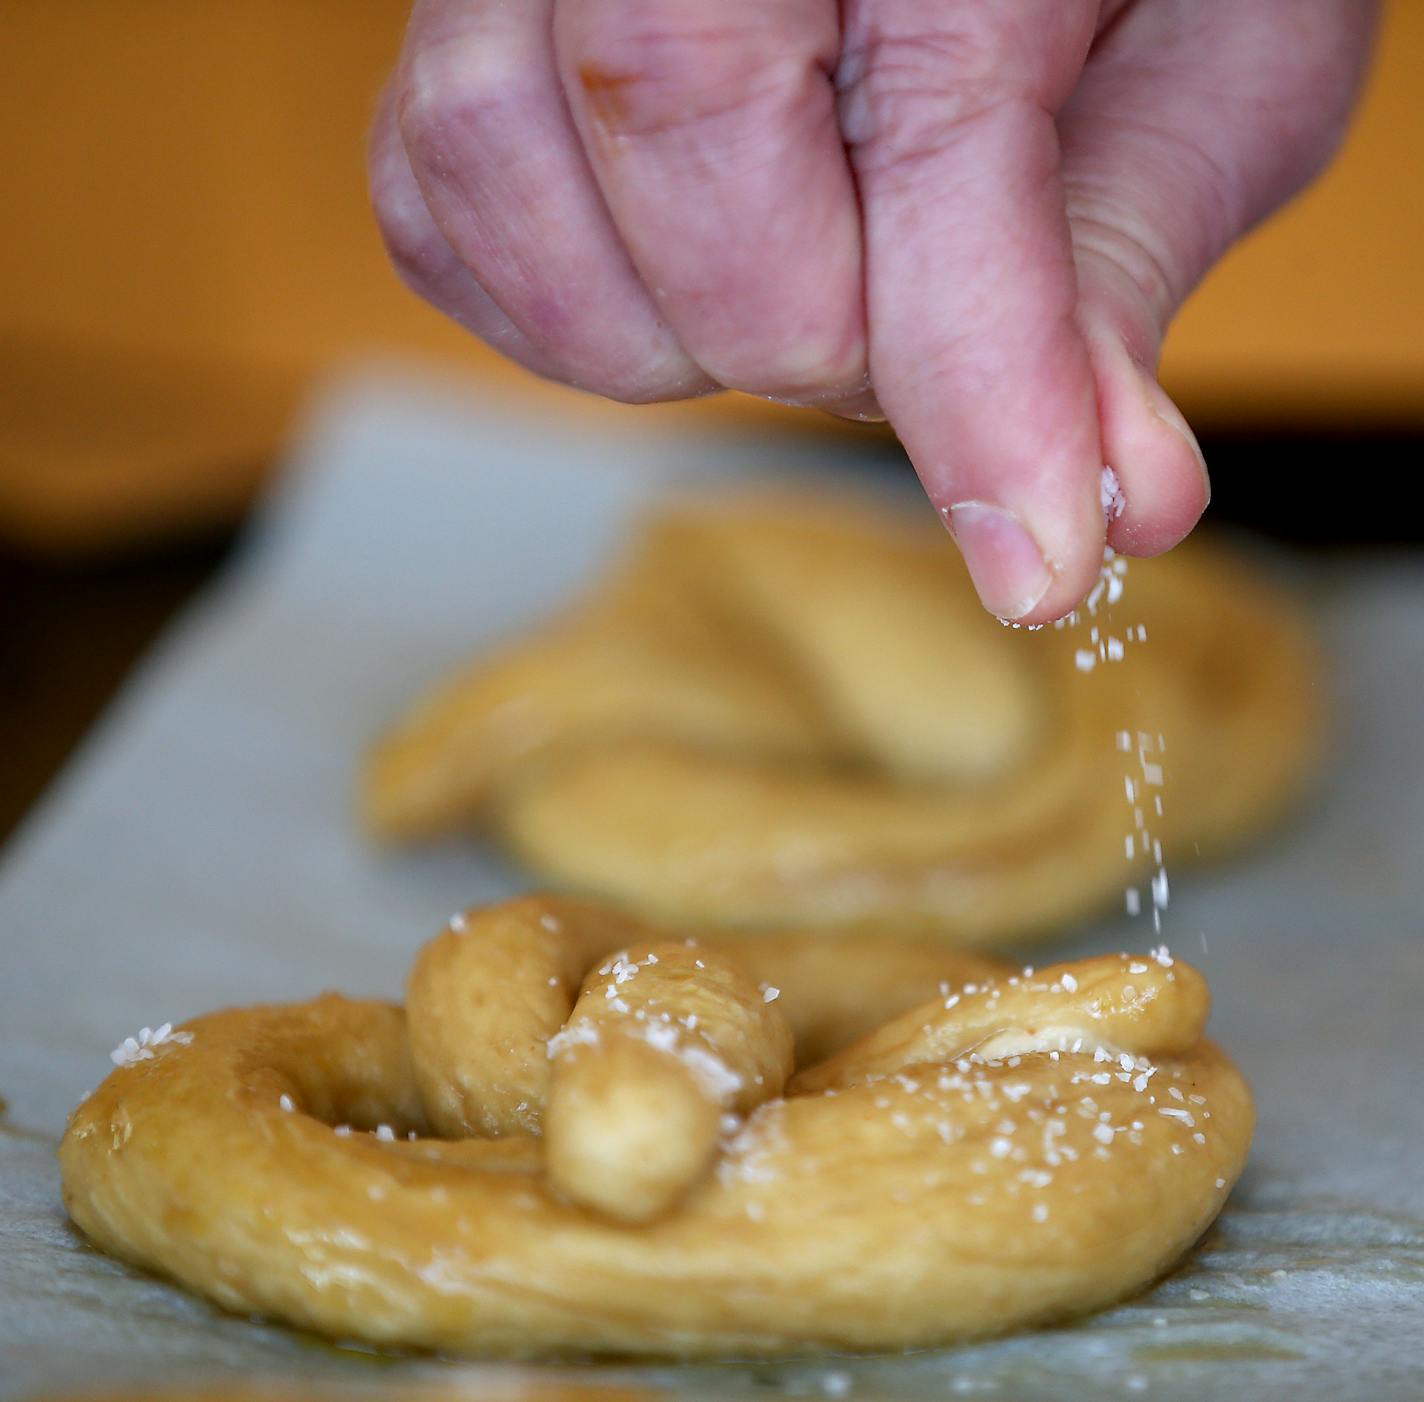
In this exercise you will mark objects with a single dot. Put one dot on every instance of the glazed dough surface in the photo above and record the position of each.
(999, 1148)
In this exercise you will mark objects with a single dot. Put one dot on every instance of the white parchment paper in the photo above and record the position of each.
(199, 852)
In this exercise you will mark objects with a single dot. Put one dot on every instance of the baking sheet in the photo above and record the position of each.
(199, 852)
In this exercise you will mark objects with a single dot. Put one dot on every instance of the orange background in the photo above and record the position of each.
(187, 241)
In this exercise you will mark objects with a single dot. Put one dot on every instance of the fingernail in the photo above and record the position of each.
(1161, 405)
(1004, 560)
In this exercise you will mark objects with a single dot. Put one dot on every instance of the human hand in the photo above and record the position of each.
(977, 216)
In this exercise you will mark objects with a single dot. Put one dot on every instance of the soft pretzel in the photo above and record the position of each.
(793, 715)
(1019, 1147)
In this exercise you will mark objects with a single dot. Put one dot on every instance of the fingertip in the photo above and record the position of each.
(1016, 577)
(1153, 451)
(1075, 571)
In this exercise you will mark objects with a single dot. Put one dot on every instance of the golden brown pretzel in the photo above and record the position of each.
(1018, 1148)
(775, 716)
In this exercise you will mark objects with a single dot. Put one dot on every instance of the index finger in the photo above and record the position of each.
(970, 284)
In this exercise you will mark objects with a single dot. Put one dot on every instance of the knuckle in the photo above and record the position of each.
(641, 79)
(412, 242)
(446, 91)
(810, 370)
(1132, 252)
(1160, 249)
(903, 97)
(644, 384)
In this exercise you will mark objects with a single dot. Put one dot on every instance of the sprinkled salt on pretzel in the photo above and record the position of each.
(1019, 1147)
(665, 1041)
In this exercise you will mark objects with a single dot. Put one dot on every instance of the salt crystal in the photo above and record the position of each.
(1110, 494)
(140, 1048)
(1159, 889)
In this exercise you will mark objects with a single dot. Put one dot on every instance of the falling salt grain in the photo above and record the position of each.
(285, 1101)
(385, 1133)
(770, 993)
(1159, 889)
(1069, 982)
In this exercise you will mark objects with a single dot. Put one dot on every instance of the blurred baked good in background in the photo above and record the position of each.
(791, 709)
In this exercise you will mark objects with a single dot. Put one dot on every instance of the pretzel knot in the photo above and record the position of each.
(777, 714)
(589, 1136)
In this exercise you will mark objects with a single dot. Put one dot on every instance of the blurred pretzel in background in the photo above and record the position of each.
(776, 712)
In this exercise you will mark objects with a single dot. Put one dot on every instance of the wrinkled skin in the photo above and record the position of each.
(975, 217)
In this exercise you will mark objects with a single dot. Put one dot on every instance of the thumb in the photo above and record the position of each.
(1194, 119)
